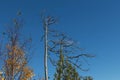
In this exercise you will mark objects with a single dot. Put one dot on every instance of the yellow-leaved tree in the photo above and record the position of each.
(16, 54)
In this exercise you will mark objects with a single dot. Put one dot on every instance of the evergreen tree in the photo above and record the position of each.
(70, 72)
(65, 70)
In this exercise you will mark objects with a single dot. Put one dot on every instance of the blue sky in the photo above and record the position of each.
(94, 23)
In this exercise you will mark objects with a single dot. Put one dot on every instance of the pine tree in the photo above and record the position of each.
(60, 68)
(70, 72)
(65, 70)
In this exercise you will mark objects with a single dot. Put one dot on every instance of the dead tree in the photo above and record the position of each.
(47, 21)
(71, 51)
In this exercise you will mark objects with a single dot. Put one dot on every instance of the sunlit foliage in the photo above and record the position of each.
(15, 53)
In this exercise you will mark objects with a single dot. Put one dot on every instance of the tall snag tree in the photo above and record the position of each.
(47, 21)
(16, 55)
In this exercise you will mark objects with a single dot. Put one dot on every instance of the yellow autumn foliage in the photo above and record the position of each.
(16, 61)
(27, 73)
(15, 50)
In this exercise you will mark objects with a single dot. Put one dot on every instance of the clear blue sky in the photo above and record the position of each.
(94, 23)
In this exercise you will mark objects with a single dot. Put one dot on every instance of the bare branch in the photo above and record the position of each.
(80, 55)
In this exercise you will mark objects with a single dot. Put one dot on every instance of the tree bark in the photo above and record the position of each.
(46, 50)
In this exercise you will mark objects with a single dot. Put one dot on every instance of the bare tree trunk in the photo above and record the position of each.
(46, 50)
(47, 21)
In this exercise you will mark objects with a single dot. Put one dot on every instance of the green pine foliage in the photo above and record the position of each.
(65, 71)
